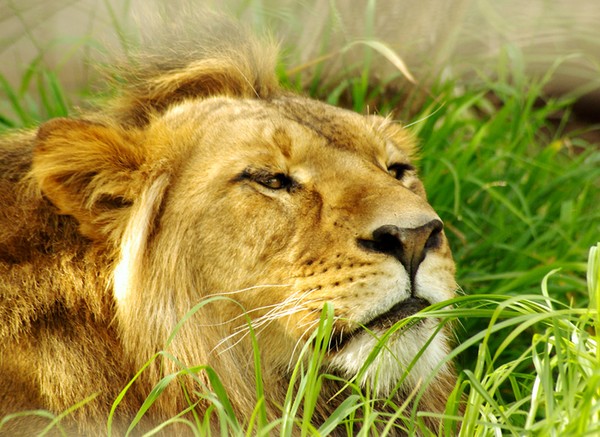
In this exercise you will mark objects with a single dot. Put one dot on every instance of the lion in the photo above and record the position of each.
(205, 180)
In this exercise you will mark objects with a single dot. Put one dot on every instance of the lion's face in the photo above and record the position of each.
(276, 206)
(288, 204)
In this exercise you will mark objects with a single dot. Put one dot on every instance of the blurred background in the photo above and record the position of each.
(432, 38)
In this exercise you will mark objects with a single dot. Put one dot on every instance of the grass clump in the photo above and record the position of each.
(546, 387)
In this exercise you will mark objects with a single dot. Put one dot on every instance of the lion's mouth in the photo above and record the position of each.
(384, 321)
(400, 311)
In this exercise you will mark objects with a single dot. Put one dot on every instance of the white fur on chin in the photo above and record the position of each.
(391, 363)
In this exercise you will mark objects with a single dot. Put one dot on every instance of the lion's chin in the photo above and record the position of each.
(395, 366)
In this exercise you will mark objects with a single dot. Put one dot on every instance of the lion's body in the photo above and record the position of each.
(206, 179)
(55, 313)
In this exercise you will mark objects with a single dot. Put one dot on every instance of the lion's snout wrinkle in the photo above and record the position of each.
(407, 245)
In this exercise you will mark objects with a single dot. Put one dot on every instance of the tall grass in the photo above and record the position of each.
(520, 197)
(19, 108)
(548, 386)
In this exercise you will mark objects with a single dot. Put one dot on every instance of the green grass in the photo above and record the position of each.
(18, 106)
(520, 197)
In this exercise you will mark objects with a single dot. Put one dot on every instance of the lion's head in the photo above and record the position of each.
(208, 181)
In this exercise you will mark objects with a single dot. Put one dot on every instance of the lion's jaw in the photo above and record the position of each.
(281, 253)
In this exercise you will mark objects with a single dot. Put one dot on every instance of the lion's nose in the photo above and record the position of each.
(408, 245)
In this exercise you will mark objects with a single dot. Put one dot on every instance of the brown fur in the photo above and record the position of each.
(113, 226)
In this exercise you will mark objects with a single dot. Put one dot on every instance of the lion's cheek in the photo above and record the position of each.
(246, 246)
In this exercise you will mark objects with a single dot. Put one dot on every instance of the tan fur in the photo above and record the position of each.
(113, 226)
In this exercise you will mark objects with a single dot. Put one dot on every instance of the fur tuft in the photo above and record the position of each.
(189, 56)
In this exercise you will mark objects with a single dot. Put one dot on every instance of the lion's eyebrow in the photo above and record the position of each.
(246, 173)
(403, 152)
(252, 172)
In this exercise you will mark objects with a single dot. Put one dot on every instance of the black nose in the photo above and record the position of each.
(408, 245)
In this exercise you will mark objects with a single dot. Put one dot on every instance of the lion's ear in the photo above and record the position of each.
(88, 170)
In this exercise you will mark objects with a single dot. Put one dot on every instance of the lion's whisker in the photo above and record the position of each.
(289, 300)
(299, 342)
(257, 324)
(239, 316)
(243, 290)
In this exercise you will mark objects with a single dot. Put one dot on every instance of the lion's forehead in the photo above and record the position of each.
(288, 123)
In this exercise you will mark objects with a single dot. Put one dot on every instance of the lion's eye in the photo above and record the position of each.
(398, 171)
(275, 182)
